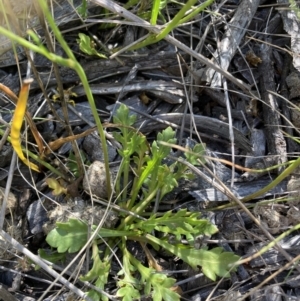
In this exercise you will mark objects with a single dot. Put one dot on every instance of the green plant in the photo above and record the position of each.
(186, 13)
(156, 10)
(152, 180)
(82, 10)
(87, 46)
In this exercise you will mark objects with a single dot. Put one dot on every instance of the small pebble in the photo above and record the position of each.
(95, 180)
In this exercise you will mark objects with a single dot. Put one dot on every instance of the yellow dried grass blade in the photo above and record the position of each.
(28, 117)
(17, 123)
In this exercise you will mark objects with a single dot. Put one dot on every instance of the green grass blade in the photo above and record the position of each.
(155, 12)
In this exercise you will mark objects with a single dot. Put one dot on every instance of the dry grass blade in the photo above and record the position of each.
(17, 124)
(54, 145)
(28, 117)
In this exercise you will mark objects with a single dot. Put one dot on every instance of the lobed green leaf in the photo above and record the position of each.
(197, 154)
(70, 236)
(99, 272)
(181, 223)
(128, 293)
(215, 262)
(159, 285)
(124, 117)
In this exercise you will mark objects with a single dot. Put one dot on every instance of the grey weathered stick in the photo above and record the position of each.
(173, 91)
(275, 140)
(292, 146)
(205, 124)
(291, 25)
(236, 30)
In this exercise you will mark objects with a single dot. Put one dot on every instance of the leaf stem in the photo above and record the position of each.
(138, 208)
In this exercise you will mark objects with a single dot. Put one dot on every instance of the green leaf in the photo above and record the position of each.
(87, 46)
(166, 179)
(99, 271)
(161, 151)
(167, 135)
(72, 164)
(198, 154)
(162, 288)
(127, 270)
(128, 293)
(136, 142)
(159, 285)
(95, 296)
(99, 267)
(181, 223)
(128, 285)
(70, 236)
(214, 262)
(82, 9)
(123, 116)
